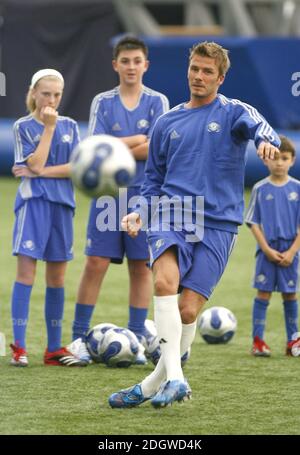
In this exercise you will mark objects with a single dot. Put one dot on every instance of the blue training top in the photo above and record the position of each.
(276, 208)
(108, 115)
(27, 135)
(201, 152)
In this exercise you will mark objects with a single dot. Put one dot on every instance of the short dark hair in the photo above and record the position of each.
(129, 43)
(287, 145)
(212, 50)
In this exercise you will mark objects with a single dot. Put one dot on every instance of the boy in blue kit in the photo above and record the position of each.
(196, 154)
(128, 112)
(44, 210)
(274, 217)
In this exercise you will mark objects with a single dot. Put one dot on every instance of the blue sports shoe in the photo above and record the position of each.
(128, 398)
(171, 391)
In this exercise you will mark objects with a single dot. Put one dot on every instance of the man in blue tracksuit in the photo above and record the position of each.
(196, 153)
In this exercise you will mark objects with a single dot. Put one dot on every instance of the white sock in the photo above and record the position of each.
(168, 324)
(152, 382)
(187, 336)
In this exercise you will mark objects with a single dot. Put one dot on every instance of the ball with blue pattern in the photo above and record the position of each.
(101, 165)
(119, 348)
(217, 325)
(94, 338)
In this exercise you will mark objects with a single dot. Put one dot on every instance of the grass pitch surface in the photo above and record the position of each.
(233, 393)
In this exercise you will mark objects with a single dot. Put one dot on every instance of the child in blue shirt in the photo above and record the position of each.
(274, 216)
(129, 112)
(44, 210)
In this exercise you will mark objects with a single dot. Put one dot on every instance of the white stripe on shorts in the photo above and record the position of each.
(20, 226)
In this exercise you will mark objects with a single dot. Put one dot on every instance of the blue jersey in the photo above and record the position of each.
(201, 152)
(276, 208)
(27, 134)
(109, 115)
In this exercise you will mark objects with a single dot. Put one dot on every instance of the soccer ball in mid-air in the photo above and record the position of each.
(102, 164)
(217, 325)
(94, 338)
(119, 348)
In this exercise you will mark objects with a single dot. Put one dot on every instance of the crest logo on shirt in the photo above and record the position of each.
(293, 196)
(143, 123)
(66, 138)
(37, 138)
(116, 127)
(214, 127)
(269, 197)
(28, 245)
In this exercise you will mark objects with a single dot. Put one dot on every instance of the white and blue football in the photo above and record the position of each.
(119, 348)
(217, 325)
(94, 338)
(102, 164)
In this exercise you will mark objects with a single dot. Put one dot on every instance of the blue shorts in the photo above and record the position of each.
(201, 264)
(113, 243)
(270, 277)
(44, 230)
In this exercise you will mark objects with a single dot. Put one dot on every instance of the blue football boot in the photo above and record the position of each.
(171, 391)
(128, 398)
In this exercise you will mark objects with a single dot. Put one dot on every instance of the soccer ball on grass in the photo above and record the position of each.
(217, 325)
(94, 338)
(119, 348)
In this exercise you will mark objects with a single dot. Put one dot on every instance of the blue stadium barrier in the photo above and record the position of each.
(255, 169)
(7, 146)
(265, 72)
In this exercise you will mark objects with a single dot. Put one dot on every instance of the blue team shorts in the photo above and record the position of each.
(114, 243)
(44, 230)
(201, 264)
(270, 277)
